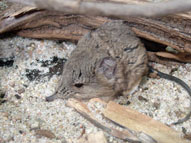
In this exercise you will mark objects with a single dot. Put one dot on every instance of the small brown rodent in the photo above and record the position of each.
(107, 62)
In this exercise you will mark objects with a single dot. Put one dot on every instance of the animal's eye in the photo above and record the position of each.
(78, 85)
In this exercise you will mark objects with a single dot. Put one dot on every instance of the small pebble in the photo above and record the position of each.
(17, 96)
(141, 98)
(22, 90)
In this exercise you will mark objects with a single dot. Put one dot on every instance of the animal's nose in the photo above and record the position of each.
(50, 98)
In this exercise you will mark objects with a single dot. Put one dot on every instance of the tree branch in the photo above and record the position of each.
(109, 8)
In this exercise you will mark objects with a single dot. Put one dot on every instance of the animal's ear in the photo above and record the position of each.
(107, 67)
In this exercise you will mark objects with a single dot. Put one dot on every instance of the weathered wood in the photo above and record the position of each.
(164, 61)
(174, 35)
(173, 30)
(142, 123)
(164, 30)
(16, 16)
(181, 57)
(61, 26)
(142, 126)
(109, 8)
(85, 112)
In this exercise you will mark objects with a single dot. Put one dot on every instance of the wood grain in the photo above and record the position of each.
(141, 123)
(171, 30)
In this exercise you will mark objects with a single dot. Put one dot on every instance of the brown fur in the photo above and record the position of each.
(107, 62)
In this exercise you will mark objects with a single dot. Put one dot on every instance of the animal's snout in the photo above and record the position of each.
(50, 98)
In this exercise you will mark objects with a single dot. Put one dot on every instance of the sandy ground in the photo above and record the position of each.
(30, 79)
(25, 108)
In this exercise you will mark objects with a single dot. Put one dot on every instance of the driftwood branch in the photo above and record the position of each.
(134, 126)
(84, 111)
(108, 8)
(138, 122)
(173, 30)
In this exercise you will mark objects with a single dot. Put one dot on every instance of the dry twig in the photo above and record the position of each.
(108, 8)
(154, 58)
(83, 110)
(181, 57)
